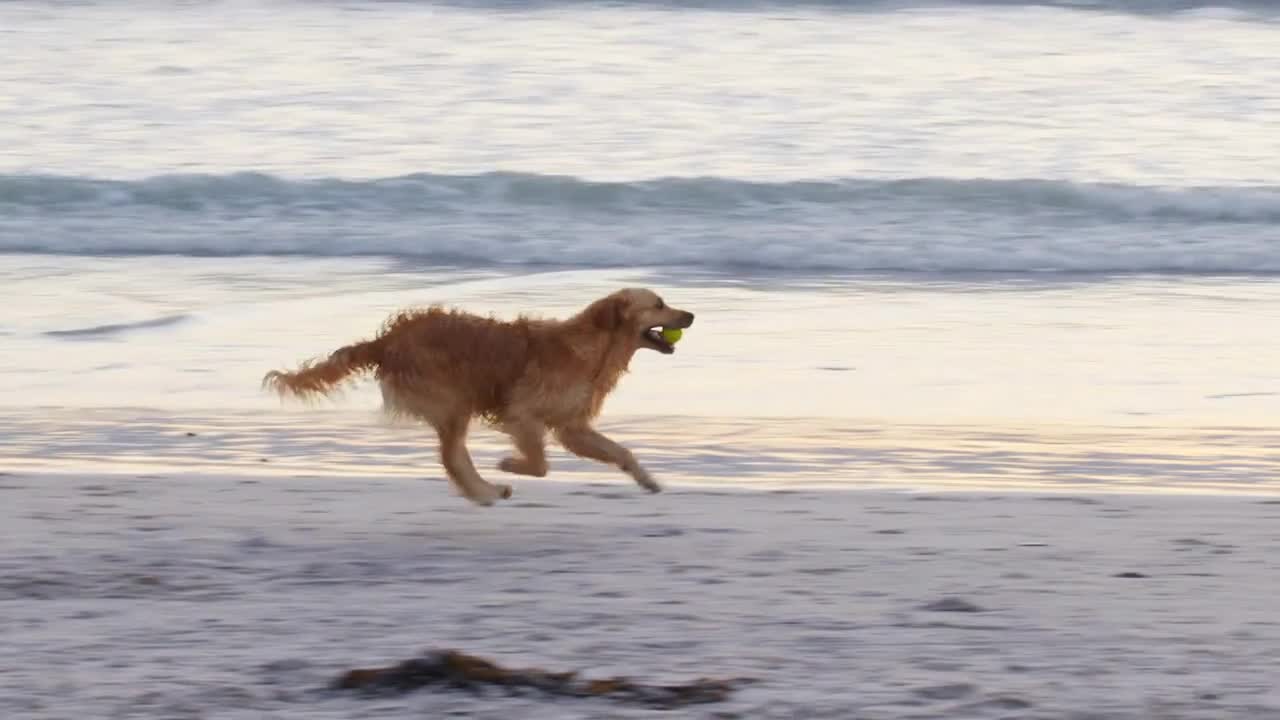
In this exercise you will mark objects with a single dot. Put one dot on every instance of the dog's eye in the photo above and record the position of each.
(661, 305)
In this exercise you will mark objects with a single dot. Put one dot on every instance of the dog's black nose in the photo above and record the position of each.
(688, 318)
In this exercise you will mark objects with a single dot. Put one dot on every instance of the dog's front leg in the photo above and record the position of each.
(457, 463)
(529, 437)
(588, 443)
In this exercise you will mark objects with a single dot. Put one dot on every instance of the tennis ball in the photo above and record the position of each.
(672, 335)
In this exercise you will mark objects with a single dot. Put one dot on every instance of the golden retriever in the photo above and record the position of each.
(525, 377)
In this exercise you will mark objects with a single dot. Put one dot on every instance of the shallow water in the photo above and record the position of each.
(200, 333)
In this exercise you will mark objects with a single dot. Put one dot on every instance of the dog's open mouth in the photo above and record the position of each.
(653, 337)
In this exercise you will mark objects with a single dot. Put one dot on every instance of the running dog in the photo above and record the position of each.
(526, 377)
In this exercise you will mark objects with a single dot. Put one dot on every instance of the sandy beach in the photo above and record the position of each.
(238, 589)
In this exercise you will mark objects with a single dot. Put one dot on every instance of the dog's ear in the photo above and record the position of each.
(608, 314)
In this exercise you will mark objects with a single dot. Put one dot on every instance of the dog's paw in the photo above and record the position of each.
(488, 494)
(481, 500)
(646, 481)
(520, 466)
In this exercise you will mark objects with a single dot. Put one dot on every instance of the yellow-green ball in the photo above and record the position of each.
(672, 335)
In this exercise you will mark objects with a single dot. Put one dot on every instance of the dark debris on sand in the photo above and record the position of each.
(952, 604)
(453, 670)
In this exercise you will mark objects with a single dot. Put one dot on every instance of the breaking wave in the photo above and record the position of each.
(925, 224)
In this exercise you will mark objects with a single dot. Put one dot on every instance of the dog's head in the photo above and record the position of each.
(639, 315)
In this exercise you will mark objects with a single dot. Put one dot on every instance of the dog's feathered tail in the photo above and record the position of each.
(316, 378)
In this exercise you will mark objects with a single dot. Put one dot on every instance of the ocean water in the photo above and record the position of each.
(977, 215)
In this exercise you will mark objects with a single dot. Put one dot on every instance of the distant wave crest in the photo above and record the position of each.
(529, 219)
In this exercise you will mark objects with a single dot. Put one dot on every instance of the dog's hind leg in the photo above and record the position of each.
(457, 463)
(586, 442)
(529, 437)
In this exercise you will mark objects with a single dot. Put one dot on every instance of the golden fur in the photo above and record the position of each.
(526, 377)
